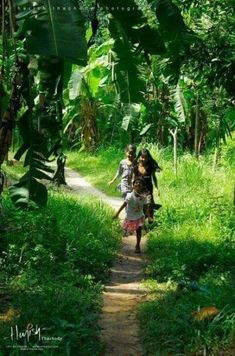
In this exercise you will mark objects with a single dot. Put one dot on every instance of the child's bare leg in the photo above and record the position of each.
(138, 239)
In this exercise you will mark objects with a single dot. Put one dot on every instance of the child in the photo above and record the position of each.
(125, 171)
(134, 204)
(146, 168)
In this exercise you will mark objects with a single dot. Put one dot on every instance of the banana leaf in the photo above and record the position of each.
(53, 28)
(29, 189)
(23, 193)
(135, 24)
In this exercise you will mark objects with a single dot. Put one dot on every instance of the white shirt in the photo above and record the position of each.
(135, 206)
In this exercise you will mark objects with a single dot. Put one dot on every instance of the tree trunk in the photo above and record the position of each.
(89, 125)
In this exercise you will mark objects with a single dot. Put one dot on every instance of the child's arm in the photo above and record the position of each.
(150, 219)
(119, 172)
(114, 178)
(120, 209)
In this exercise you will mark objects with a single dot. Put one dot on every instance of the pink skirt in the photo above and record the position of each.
(132, 225)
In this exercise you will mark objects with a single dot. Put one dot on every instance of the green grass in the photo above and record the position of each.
(193, 243)
(14, 171)
(99, 169)
(54, 262)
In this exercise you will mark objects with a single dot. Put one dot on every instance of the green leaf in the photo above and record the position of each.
(75, 84)
(126, 122)
(51, 31)
(40, 174)
(134, 24)
(128, 80)
(145, 129)
(103, 81)
(135, 109)
(230, 115)
(23, 193)
(21, 151)
(103, 49)
(28, 188)
(180, 104)
(170, 19)
(19, 192)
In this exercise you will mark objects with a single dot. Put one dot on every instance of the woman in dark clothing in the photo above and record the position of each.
(146, 168)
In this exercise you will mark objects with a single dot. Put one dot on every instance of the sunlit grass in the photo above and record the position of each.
(53, 262)
(99, 169)
(194, 242)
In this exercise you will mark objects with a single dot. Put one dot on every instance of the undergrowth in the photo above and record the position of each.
(191, 250)
(53, 264)
(191, 262)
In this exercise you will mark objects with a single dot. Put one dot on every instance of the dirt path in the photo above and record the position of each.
(119, 327)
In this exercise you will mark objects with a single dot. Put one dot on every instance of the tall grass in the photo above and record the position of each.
(53, 263)
(191, 250)
(193, 245)
(100, 168)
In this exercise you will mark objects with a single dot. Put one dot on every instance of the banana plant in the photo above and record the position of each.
(44, 27)
(86, 92)
(133, 39)
(29, 189)
(135, 25)
(49, 30)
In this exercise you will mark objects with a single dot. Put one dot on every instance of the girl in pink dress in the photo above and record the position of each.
(134, 204)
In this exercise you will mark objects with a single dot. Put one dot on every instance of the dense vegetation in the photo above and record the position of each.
(190, 248)
(53, 264)
(191, 262)
(155, 73)
(148, 71)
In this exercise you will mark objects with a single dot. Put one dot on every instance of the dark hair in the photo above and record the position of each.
(130, 148)
(153, 165)
(139, 179)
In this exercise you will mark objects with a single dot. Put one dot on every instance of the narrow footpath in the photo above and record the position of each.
(119, 327)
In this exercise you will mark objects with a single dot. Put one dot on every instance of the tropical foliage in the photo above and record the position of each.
(90, 77)
(190, 249)
(151, 67)
(51, 273)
